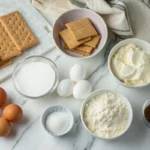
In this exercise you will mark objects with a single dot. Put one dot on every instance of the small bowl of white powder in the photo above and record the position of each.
(57, 120)
(106, 114)
(35, 77)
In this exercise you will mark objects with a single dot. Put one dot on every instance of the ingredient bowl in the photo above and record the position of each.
(100, 92)
(77, 14)
(138, 42)
(35, 77)
(57, 108)
(145, 105)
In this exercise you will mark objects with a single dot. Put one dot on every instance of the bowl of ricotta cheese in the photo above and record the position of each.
(129, 62)
(106, 114)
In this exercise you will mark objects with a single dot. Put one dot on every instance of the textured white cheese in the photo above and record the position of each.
(106, 115)
(130, 64)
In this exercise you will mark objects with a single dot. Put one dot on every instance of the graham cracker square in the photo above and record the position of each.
(5, 63)
(8, 49)
(93, 42)
(81, 29)
(70, 40)
(83, 50)
(18, 30)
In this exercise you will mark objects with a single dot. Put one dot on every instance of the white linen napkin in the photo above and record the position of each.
(114, 12)
(53, 7)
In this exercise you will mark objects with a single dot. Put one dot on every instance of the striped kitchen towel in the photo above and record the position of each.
(114, 12)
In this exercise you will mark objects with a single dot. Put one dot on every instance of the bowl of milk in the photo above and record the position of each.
(35, 77)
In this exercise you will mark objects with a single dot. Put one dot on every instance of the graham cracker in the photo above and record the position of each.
(66, 46)
(18, 30)
(81, 29)
(8, 49)
(70, 40)
(93, 42)
(1, 61)
(5, 63)
(83, 50)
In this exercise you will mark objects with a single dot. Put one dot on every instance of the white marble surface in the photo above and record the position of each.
(29, 134)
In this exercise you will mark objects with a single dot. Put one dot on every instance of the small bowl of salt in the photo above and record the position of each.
(57, 120)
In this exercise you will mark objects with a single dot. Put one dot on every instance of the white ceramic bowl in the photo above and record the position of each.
(141, 43)
(76, 14)
(102, 92)
(57, 108)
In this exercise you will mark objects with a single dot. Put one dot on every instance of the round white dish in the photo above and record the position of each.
(102, 92)
(76, 14)
(141, 43)
(57, 108)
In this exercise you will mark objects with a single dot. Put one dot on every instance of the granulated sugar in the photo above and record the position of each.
(57, 122)
(35, 79)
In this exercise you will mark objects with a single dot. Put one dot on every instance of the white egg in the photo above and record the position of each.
(77, 72)
(82, 89)
(65, 88)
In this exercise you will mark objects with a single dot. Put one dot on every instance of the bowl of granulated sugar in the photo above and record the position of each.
(35, 77)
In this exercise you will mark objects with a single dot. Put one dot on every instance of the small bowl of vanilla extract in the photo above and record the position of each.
(146, 113)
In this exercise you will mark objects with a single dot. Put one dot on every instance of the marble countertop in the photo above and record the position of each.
(29, 134)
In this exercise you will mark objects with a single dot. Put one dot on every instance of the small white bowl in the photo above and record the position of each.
(147, 103)
(57, 108)
(141, 43)
(102, 92)
(76, 14)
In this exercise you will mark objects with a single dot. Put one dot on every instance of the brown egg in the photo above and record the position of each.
(13, 113)
(5, 127)
(3, 97)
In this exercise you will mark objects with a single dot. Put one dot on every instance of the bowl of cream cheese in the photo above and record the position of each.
(129, 62)
(106, 114)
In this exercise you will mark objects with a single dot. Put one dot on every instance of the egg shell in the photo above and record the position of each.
(65, 88)
(82, 89)
(5, 127)
(77, 72)
(13, 113)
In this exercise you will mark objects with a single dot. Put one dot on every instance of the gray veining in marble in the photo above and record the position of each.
(29, 135)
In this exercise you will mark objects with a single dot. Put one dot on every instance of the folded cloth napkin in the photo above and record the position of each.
(114, 12)
(53, 7)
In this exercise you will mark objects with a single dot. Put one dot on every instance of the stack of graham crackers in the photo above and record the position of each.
(15, 36)
(80, 37)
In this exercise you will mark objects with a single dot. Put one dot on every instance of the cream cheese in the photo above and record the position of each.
(130, 64)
